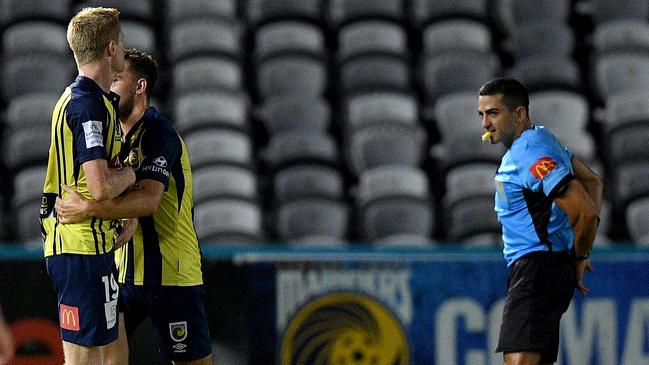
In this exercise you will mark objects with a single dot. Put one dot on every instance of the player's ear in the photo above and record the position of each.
(140, 87)
(111, 48)
(520, 113)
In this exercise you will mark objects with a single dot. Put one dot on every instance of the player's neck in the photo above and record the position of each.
(128, 121)
(100, 73)
(527, 124)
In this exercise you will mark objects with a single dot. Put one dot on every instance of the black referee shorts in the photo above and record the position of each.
(540, 287)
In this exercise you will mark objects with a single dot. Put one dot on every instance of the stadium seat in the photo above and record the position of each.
(206, 73)
(456, 34)
(637, 218)
(25, 147)
(290, 36)
(179, 11)
(486, 239)
(560, 110)
(380, 144)
(200, 37)
(318, 241)
(307, 181)
(454, 152)
(291, 75)
(547, 72)
(377, 107)
(457, 71)
(457, 115)
(26, 221)
(295, 113)
(31, 110)
(469, 181)
(621, 35)
(566, 114)
(211, 109)
(541, 38)
(35, 36)
(603, 10)
(28, 185)
(34, 73)
(265, 11)
(630, 181)
(12, 11)
(472, 216)
(141, 10)
(628, 143)
(228, 221)
(342, 12)
(374, 73)
(139, 35)
(396, 216)
(621, 72)
(624, 108)
(371, 37)
(405, 241)
(552, 11)
(288, 148)
(312, 217)
(392, 181)
(224, 181)
(429, 11)
(219, 146)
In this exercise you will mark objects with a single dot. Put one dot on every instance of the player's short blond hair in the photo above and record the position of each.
(90, 31)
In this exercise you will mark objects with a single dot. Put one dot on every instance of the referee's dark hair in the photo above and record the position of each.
(143, 66)
(514, 93)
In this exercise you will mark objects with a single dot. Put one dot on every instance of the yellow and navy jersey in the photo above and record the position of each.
(164, 249)
(85, 127)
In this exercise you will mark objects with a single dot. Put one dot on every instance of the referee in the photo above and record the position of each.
(547, 202)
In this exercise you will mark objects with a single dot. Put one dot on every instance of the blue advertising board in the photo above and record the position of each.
(428, 308)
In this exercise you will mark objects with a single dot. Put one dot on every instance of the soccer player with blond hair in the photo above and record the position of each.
(84, 153)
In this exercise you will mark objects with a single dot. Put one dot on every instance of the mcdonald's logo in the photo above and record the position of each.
(69, 317)
(542, 167)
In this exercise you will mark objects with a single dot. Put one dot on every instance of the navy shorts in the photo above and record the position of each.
(177, 313)
(541, 286)
(87, 297)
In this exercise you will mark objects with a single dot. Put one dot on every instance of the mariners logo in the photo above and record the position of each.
(178, 331)
(345, 329)
(134, 159)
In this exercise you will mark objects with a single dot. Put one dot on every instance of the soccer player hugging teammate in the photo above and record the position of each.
(84, 153)
(160, 266)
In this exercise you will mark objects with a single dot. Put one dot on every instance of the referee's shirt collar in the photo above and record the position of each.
(89, 85)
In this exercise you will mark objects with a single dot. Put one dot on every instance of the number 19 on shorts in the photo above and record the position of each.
(111, 289)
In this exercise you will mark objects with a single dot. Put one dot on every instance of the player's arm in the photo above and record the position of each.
(583, 215)
(141, 202)
(7, 346)
(105, 183)
(591, 181)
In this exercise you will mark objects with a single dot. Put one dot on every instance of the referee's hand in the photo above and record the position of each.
(582, 266)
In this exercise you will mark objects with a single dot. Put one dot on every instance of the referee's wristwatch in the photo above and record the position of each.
(581, 258)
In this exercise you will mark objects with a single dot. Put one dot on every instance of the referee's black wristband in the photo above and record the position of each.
(580, 258)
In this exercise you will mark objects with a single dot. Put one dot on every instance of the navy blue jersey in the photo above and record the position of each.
(85, 127)
(530, 174)
(164, 249)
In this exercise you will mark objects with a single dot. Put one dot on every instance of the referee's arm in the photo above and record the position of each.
(591, 181)
(583, 215)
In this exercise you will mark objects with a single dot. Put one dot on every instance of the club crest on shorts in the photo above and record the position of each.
(178, 331)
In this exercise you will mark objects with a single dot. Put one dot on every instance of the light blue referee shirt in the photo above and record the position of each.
(531, 173)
